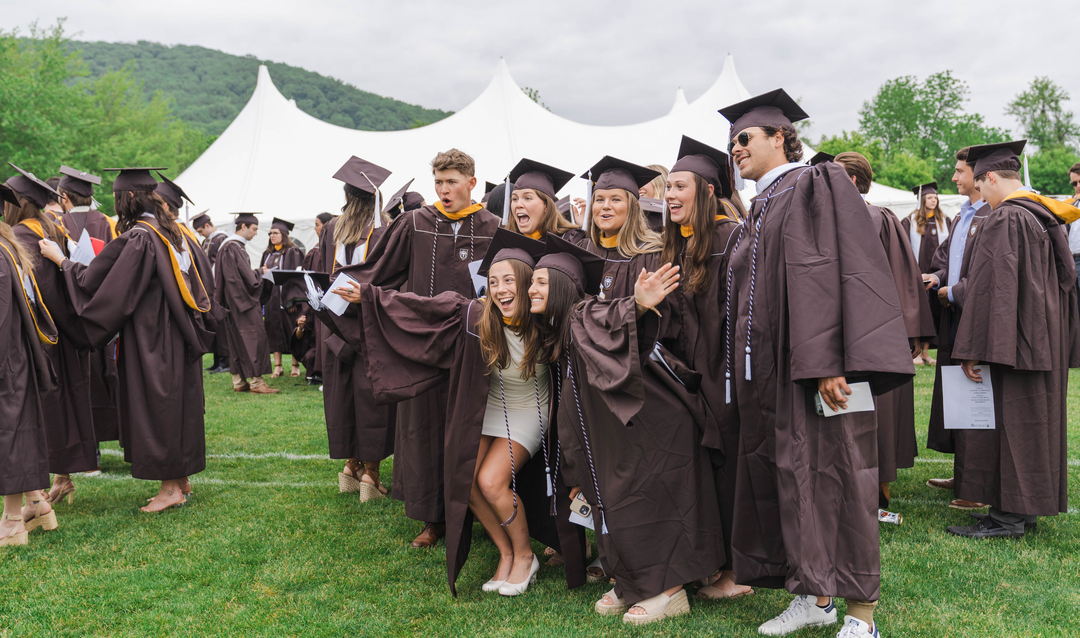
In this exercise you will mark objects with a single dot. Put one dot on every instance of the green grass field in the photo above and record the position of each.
(267, 547)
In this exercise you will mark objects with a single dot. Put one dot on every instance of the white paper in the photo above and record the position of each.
(334, 302)
(861, 399)
(269, 275)
(967, 405)
(479, 281)
(83, 253)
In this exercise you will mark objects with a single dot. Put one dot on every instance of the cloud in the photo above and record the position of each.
(611, 62)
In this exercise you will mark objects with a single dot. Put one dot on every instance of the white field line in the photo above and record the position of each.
(195, 480)
(241, 455)
(1072, 462)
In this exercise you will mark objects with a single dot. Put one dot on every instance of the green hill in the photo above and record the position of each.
(210, 87)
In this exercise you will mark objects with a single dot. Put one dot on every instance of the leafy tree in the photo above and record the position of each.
(904, 170)
(857, 142)
(1041, 115)
(534, 95)
(1049, 169)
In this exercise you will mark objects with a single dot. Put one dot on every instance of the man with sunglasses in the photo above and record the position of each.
(812, 311)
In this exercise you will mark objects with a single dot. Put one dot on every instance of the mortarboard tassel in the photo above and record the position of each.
(664, 211)
(588, 203)
(506, 203)
(740, 183)
(377, 221)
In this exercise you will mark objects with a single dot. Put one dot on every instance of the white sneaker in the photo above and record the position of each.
(855, 628)
(802, 612)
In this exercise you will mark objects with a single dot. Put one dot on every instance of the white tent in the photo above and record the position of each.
(278, 160)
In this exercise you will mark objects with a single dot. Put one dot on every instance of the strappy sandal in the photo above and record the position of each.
(350, 483)
(712, 592)
(295, 372)
(617, 606)
(15, 537)
(371, 491)
(67, 490)
(278, 371)
(46, 521)
(167, 508)
(594, 573)
(659, 607)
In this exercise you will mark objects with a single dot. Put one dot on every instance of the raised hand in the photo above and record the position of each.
(651, 288)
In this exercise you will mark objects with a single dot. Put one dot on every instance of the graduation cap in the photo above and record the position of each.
(78, 182)
(820, 157)
(540, 177)
(919, 191)
(650, 205)
(281, 277)
(585, 269)
(563, 206)
(488, 187)
(612, 172)
(708, 162)
(775, 108)
(201, 220)
(510, 245)
(412, 200)
(398, 198)
(8, 195)
(30, 188)
(1003, 156)
(135, 179)
(171, 193)
(282, 225)
(246, 218)
(368, 177)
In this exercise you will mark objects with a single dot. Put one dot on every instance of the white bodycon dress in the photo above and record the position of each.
(521, 397)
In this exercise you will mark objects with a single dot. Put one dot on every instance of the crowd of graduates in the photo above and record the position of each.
(721, 390)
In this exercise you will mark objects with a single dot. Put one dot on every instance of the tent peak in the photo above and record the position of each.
(680, 102)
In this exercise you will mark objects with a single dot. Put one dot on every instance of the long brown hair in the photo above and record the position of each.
(356, 214)
(923, 214)
(635, 237)
(130, 205)
(286, 242)
(22, 256)
(555, 322)
(554, 223)
(29, 211)
(492, 336)
(692, 253)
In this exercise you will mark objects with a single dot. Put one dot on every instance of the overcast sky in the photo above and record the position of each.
(616, 61)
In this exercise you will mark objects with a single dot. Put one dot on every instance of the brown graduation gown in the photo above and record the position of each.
(897, 445)
(620, 273)
(306, 348)
(937, 437)
(210, 248)
(629, 430)
(69, 421)
(130, 288)
(819, 303)
(421, 253)
(697, 337)
(279, 313)
(24, 378)
(411, 343)
(928, 248)
(356, 426)
(1020, 320)
(238, 289)
(104, 382)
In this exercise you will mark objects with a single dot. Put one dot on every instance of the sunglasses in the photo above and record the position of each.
(1075, 184)
(742, 138)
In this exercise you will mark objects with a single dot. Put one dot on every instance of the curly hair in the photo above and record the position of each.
(454, 160)
(792, 143)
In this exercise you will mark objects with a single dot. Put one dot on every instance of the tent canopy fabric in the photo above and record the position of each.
(278, 160)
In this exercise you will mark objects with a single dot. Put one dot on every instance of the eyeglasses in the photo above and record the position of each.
(1075, 184)
(742, 138)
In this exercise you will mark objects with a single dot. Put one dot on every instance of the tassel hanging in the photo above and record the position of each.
(748, 363)
(588, 203)
(506, 204)
(740, 183)
(727, 387)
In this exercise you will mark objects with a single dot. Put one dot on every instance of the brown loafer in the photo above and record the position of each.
(941, 484)
(264, 389)
(961, 504)
(244, 388)
(431, 535)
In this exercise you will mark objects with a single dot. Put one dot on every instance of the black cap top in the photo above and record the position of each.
(171, 192)
(820, 157)
(541, 177)
(30, 188)
(775, 108)
(8, 195)
(362, 174)
(78, 182)
(924, 189)
(201, 220)
(510, 245)
(284, 226)
(710, 163)
(612, 172)
(282, 276)
(397, 198)
(996, 157)
(412, 200)
(134, 179)
(246, 218)
(488, 186)
(585, 269)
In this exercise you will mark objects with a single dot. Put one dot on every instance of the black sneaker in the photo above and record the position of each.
(985, 528)
(978, 516)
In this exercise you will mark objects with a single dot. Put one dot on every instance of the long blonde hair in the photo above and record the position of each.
(635, 237)
(554, 223)
(22, 256)
(356, 214)
(659, 183)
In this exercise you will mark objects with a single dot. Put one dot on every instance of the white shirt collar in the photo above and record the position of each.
(235, 237)
(768, 178)
(79, 209)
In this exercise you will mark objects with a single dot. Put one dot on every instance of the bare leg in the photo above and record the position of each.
(481, 509)
(168, 496)
(494, 482)
(12, 507)
(277, 365)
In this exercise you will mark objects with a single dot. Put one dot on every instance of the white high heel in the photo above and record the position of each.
(492, 585)
(516, 589)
